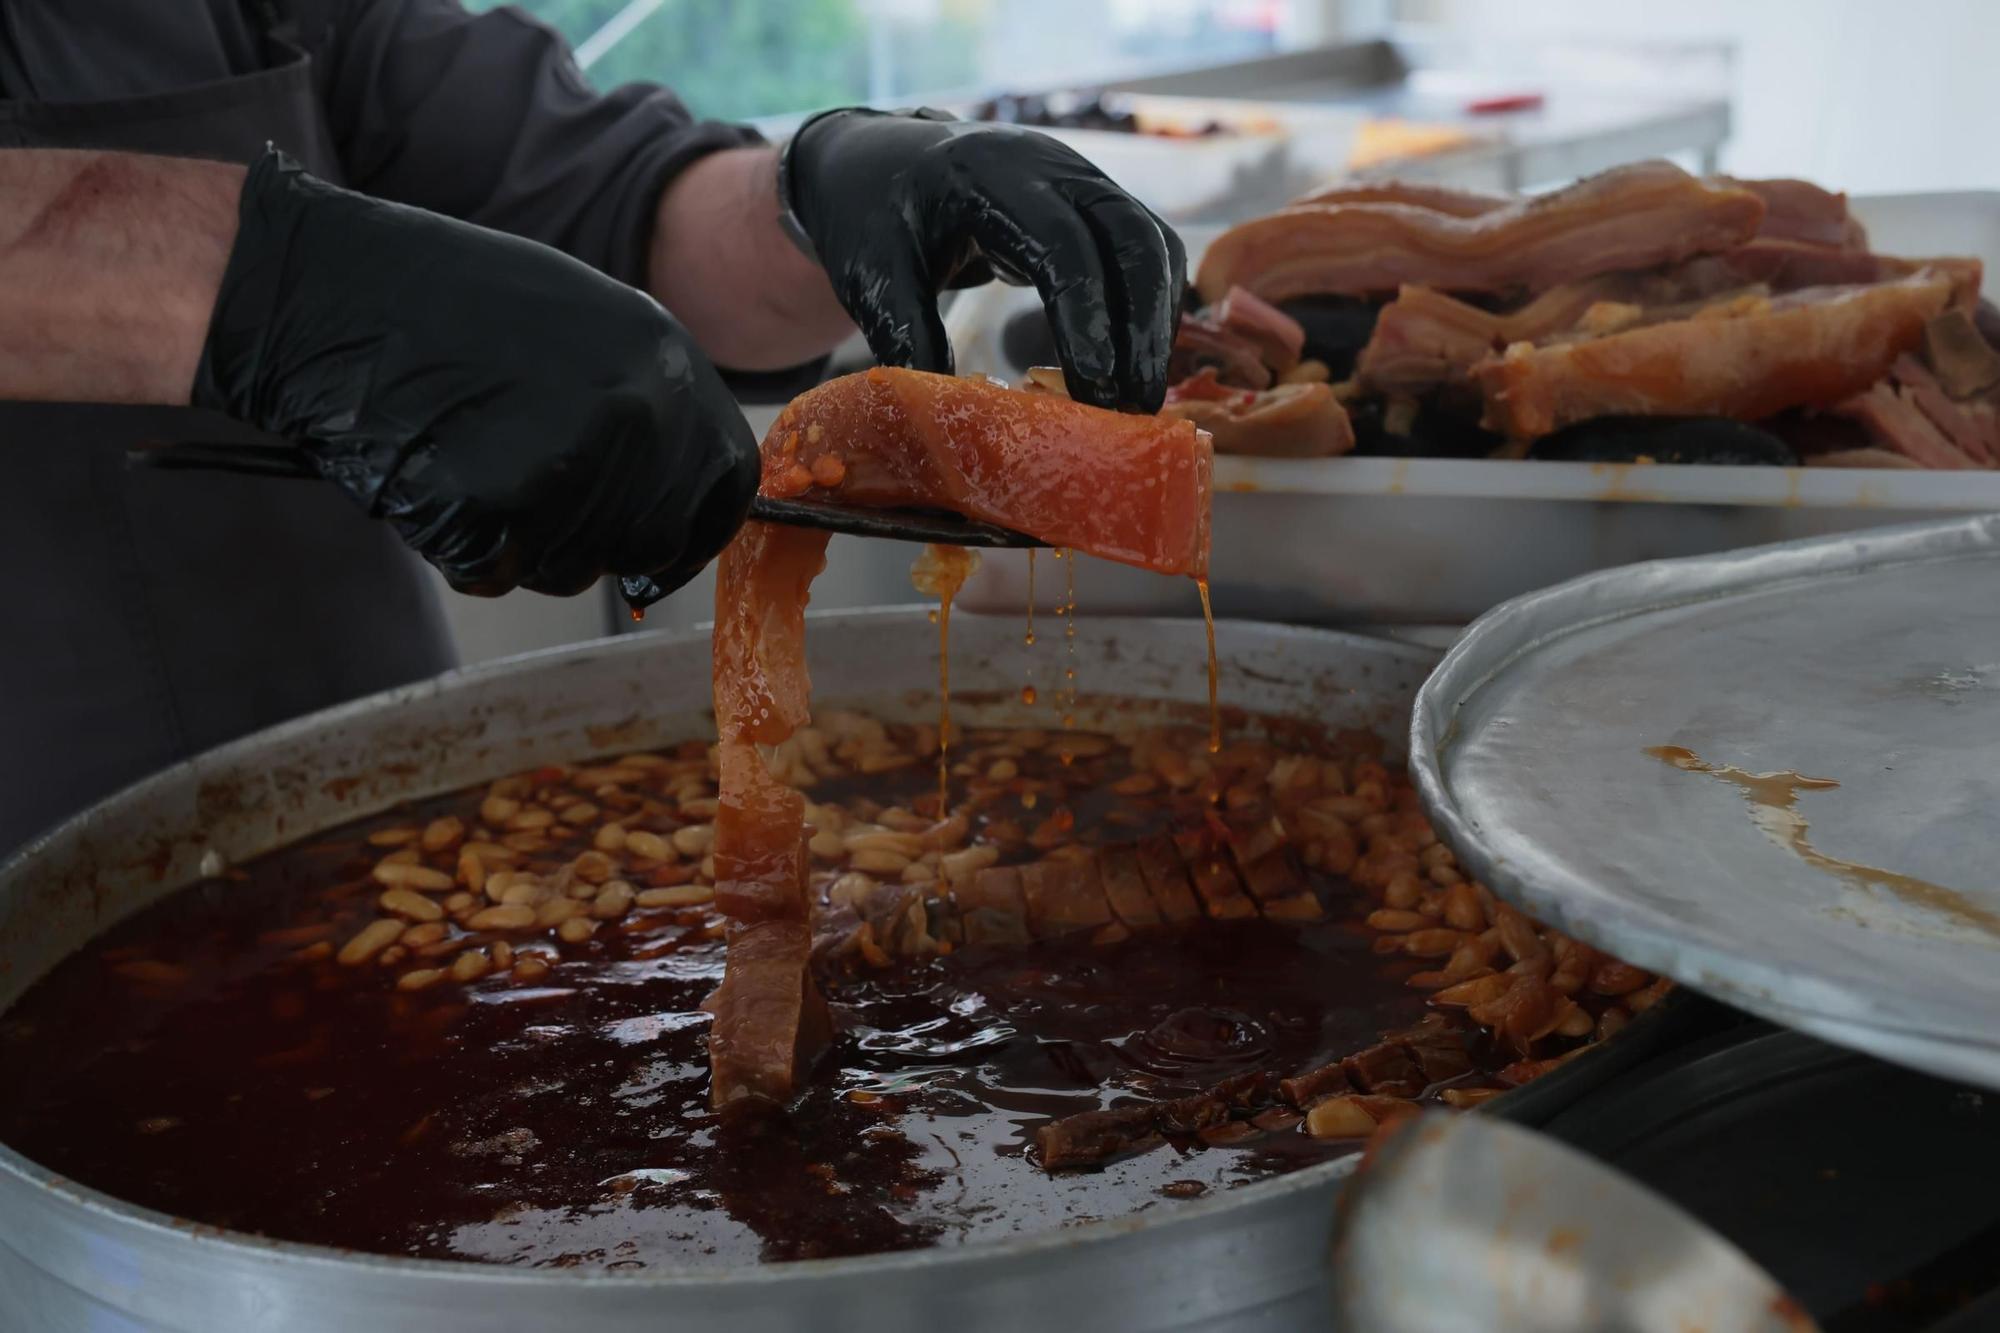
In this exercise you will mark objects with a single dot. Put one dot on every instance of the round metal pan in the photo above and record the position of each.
(73, 1259)
(1773, 775)
(1808, 1157)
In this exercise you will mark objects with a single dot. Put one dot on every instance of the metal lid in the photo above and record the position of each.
(1773, 775)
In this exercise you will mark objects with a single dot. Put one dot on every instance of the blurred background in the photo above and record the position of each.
(1213, 110)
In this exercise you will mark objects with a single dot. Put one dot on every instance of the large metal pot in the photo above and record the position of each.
(72, 1259)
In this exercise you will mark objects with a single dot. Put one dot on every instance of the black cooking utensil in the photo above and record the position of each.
(903, 525)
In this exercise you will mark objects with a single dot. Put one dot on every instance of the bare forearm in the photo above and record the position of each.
(109, 265)
(723, 266)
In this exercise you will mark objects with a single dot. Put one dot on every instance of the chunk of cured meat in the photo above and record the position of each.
(1279, 886)
(1105, 894)
(1278, 337)
(1632, 217)
(1964, 363)
(1203, 345)
(992, 907)
(1385, 1068)
(1968, 425)
(1125, 888)
(1289, 421)
(1425, 339)
(1120, 486)
(1381, 1078)
(1063, 897)
(1444, 199)
(1214, 875)
(1809, 348)
(776, 1018)
(1219, 1103)
(1327, 1081)
(1438, 1046)
(1092, 1138)
(1796, 210)
(1129, 488)
(1890, 414)
(1167, 877)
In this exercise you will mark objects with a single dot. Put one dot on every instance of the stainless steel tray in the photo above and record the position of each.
(1866, 913)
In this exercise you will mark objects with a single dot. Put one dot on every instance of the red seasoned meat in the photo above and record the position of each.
(1633, 217)
(1116, 485)
(1750, 360)
(1128, 488)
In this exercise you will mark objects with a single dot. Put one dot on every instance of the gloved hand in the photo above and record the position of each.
(900, 206)
(520, 418)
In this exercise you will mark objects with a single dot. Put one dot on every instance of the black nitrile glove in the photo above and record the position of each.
(900, 206)
(522, 419)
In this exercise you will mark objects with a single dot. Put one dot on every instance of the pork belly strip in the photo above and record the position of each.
(1129, 488)
(1638, 216)
(1796, 210)
(1444, 199)
(1425, 339)
(1116, 485)
(1808, 349)
(1106, 895)
(1787, 266)
(769, 1018)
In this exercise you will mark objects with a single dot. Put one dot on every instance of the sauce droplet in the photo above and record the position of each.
(1068, 693)
(934, 615)
(1214, 709)
(638, 614)
(1031, 598)
(1028, 800)
(1027, 694)
(943, 618)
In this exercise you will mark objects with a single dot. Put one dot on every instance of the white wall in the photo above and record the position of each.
(1861, 95)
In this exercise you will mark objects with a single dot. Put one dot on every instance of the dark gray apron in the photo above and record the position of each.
(146, 616)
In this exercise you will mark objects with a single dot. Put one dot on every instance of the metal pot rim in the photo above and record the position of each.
(110, 1210)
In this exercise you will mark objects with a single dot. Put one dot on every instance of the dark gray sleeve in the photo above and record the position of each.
(486, 117)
